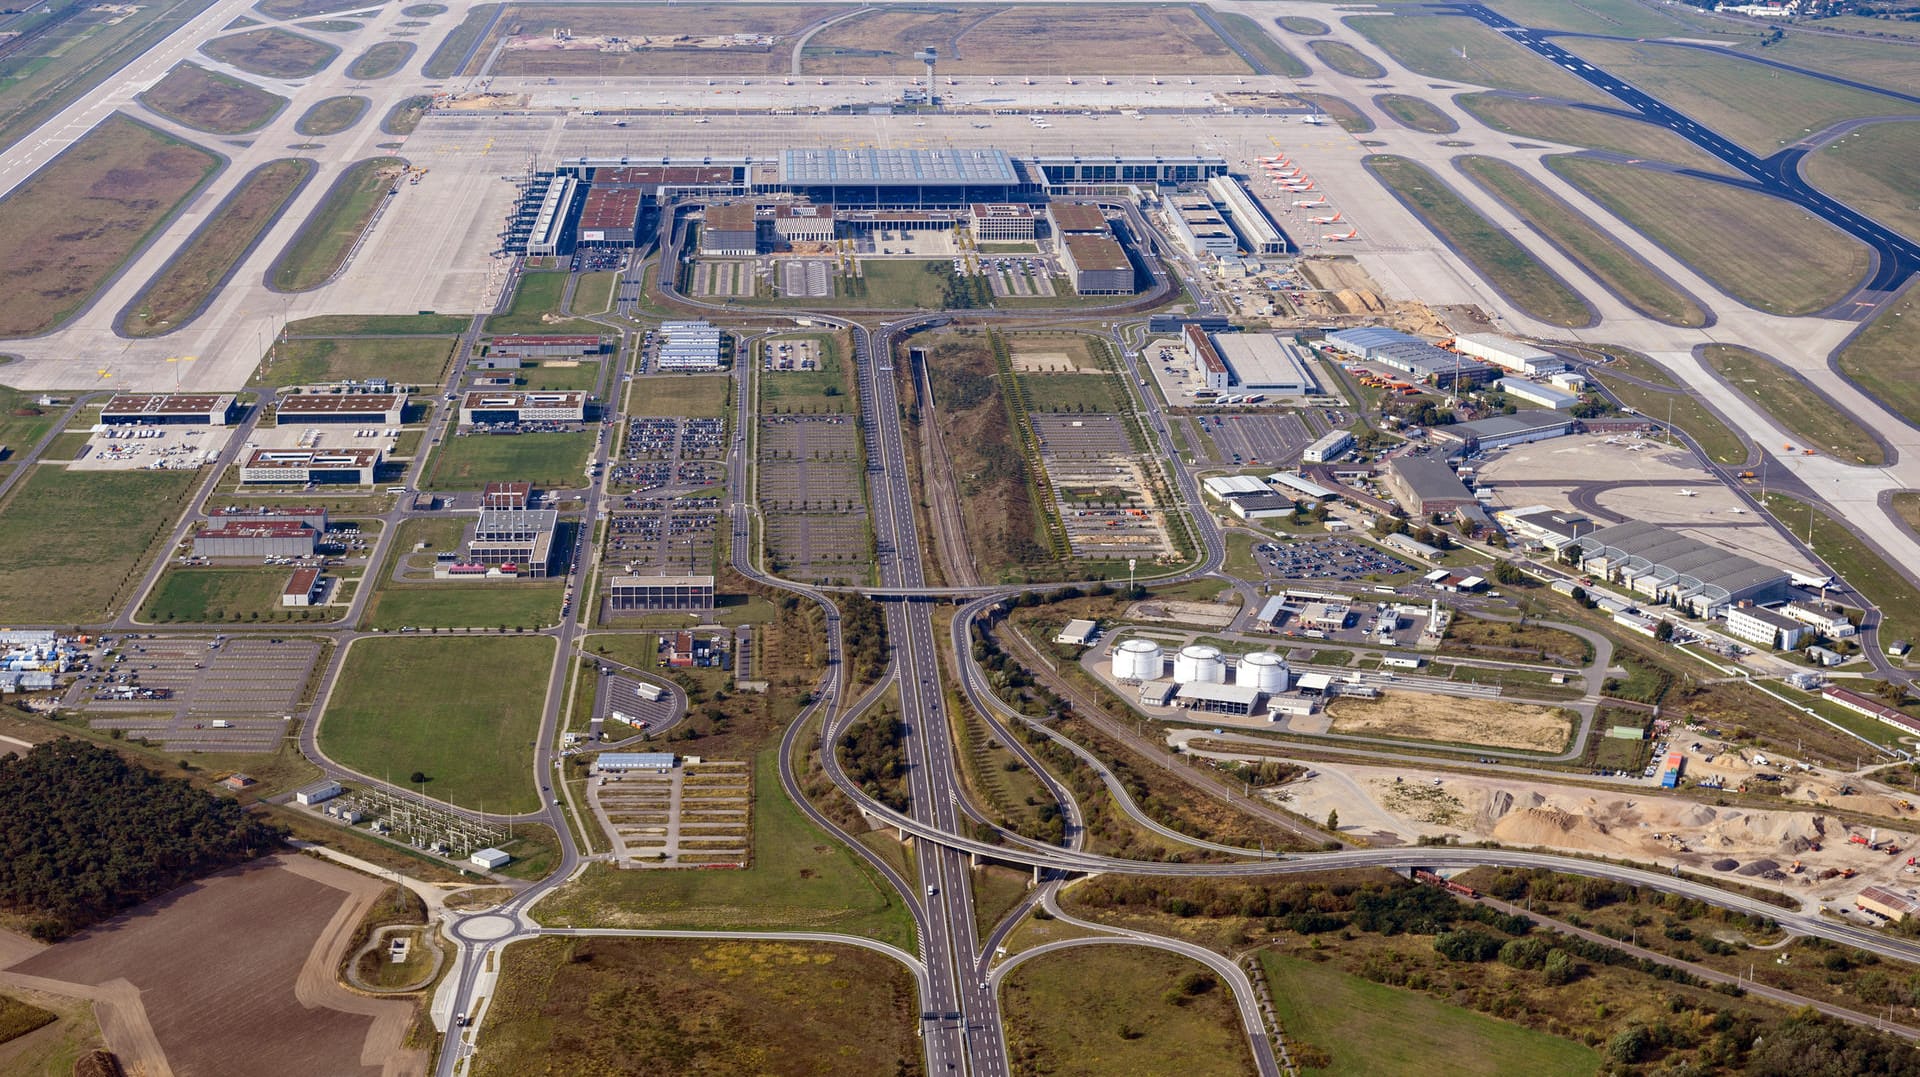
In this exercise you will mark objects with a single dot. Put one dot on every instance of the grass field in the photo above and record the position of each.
(1731, 236)
(1251, 37)
(381, 60)
(307, 9)
(446, 60)
(68, 59)
(1871, 169)
(70, 543)
(352, 325)
(1504, 263)
(1416, 113)
(190, 280)
(1887, 64)
(203, 595)
(691, 395)
(1344, 1018)
(1854, 561)
(1715, 438)
(446, 604)
(405, 361)
(22, 422)
(583, 376)
(1346, 59)
(1351, 120)
(1300, 24)
(1598, 130)
(1151, 1012)
(275, 53)
(1880, 359)
(1627, 18)
(1787, 397)
(1069, 392)
(395, 710)
(894, 284)
(332, 115)
(110, 191)
(593, 292)
(1759, 107)
(798, 879)
(404, 116)
(423, 11)
(1022, 39)
(471, 461)
(657, 1005)
(316, 252)
(1439, 46)
(538, 308)
(210, 101)
(1624, 273)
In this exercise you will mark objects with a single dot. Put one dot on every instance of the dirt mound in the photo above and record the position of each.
(1725, 865)
(1544, 826)
(1761, 866)
(97, 1063)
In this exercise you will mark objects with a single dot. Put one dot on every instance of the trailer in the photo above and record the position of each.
(1670, 774)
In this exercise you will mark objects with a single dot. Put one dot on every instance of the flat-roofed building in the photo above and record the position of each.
(312, 517)
(546, 232)
(688, 346)
(298, 467)
(1078, 632)
(1500, 431)
(1535, 393)
(1410, 355)
(1205, 358)
(1831, 623)
(302, 589)
(496, 408)
(1328, 447)
(732, 228)
(1198, 225)
(1509, 354)
(1265, 363)
(367, 409)
(1670, 567)
(653, 594)
(1096, 265)
(1756, 624)
(1423, 485)
(1888, 903)
(521, 538)
(1303, 486)
(610, 216)
(506, 495)
(1541, 525)
(948, 176)
(803, 223)
(286, 538)
(1244, 213)
(1074, 218)
(548, 345)
(1215, 698)
(1001, 222)
(1084, 172)
(617, 762)
(171, 409)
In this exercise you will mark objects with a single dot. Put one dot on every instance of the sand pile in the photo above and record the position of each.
(1546, 826)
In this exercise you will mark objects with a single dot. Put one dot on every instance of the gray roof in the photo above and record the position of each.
(896, 167)
(1640, 548)
(1429, 479)
(1499, 426)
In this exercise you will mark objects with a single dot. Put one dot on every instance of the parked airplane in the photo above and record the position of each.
(1335, 219)
(1315, 120)
(1312, 203)
(1335, 237)
(1688, 493)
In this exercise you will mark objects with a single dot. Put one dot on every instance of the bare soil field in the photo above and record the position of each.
(1451, 720)
(234, 975)
(666, 40)
(273, 53)
(107, 192)
(210, 101)
(1040, 39)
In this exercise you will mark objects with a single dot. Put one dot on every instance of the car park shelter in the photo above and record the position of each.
(616, 762)
(650, 594)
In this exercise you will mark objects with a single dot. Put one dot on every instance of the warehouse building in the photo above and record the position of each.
(1265, 506)
(1509, 354)
(1423, 485)
(498, 408)
(317, 793)
(1216, 698)
(1535, 393)
(1096, 265)
(549, 346)
(803, 224)
(688, 347)
(610, 217)
(1888, 903)
(1205, 359)
(364, 409)
(516, 539)
(1001, 222)
(1674, 568)
(298, 467)
(1198, 225)
(287, 538)
(1257, 230)
(314, 518)
(656, 594)
(1328, 447)
(303, 589)
(1410, 355)
(1550, 528)
(1756, 624)
(1500, 431)
(730, 229)
(1263, 362)
(171, 409)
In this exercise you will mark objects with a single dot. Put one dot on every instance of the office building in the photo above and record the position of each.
(303, 589)
(1198, 225)
(1205, 358)
(520, 539)
(1766, 627)
(298, 467)
(803, 224)
(1001, 222)
(1328, 447)
(688, 347)
(654, 594)
(491, 408)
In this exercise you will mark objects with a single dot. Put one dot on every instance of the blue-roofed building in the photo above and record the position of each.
(922, 177)
(661, 762)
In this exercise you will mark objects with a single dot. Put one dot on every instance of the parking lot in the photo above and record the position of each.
(1327, 559)
(175, 690)
(694, 815)
(806, 278)
(1077, 437)
(797, 353)
(654, 540)
(1255, 439)
(662, 452)
(810, 463)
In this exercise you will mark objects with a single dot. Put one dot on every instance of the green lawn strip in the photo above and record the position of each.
(470, 461)
(188, 282)
(1623, 272)
(594, 293)
(1069, 392)
(461, 709)
(71, 542)
(1687, 413)
(449, 604)
(1853, 561)
(405, 115)
(1251, 37)
(1885, 64)
(1367, 1028)
(1346, 59)
(1304, 26)
(1504, 263)
(1880, 358)
(582, 376)
(388, 325)
(1459, 49)
(413, 360)
(211, 101)
(1732, 237)
(1628, 18)
(1871, 169)
(321, 246)
(332, 115)
(537, 308)
(1416, 113)
(798, 879)
(1341, 111)
(273, 52)
(200, 595)
(1761, 108)
(446, 60)
(381, 60)
(1153, 1012)
(689, 395)
(899, 284)
(1797, 405)
(307, 9)
(1552, 122)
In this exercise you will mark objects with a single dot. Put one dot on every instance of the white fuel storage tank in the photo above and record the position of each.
(1199, 662)
(1263, 670)
(1138, 660)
